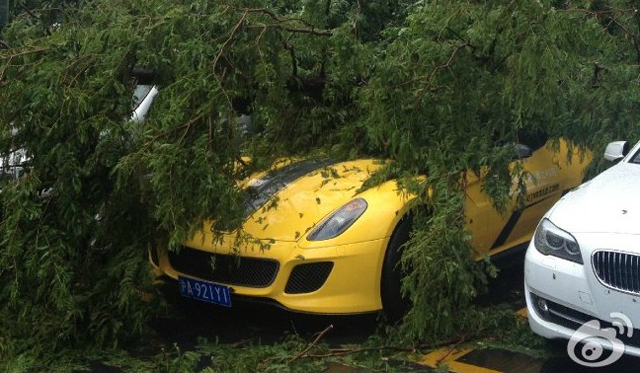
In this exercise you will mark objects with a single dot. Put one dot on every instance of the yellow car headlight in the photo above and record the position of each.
(339, 221)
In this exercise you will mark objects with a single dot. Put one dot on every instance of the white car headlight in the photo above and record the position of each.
(551, 240)
(339, 221)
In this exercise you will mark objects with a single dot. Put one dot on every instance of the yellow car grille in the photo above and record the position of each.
(226, 269)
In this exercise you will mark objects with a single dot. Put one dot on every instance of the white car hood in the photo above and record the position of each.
(610, 203)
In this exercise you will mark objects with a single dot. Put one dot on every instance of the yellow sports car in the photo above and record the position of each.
(333, 249)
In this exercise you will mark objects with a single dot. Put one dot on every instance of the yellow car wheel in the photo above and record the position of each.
(394, 305)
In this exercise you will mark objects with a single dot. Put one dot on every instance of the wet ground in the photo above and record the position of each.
(247, 322)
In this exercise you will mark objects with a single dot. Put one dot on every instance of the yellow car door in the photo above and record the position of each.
(548, 175)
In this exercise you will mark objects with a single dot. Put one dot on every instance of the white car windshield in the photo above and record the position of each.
(635, 158)
(141, 91)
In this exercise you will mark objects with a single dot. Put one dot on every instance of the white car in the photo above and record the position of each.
(582, 269)
(143, 97)
(12, 164)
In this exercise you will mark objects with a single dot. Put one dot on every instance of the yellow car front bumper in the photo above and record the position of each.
(351, 286)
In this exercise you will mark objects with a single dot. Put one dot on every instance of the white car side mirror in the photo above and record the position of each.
(616, 150)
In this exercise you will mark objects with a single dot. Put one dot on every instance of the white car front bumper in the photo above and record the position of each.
(574, 295)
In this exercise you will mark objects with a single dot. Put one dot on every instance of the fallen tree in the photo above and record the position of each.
(435, 86)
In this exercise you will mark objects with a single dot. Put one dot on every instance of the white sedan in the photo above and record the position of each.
(582, 269)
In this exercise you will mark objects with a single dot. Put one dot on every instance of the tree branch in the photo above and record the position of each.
(348, 351)
(446, 65)
(29, 12)
(310, 346)
(459, 37)
(224, 45)
(307, 31)
(294, 61)
(37, 50)
(595, 83)
(336, 352)
(311, 29)
(294, 29)
(450, 350)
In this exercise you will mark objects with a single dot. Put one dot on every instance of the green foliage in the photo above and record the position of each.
(212, 356)
(438, 87)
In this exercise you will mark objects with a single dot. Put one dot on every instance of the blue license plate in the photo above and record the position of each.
(205, 291)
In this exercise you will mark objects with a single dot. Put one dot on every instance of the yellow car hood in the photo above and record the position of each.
(287, 201)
